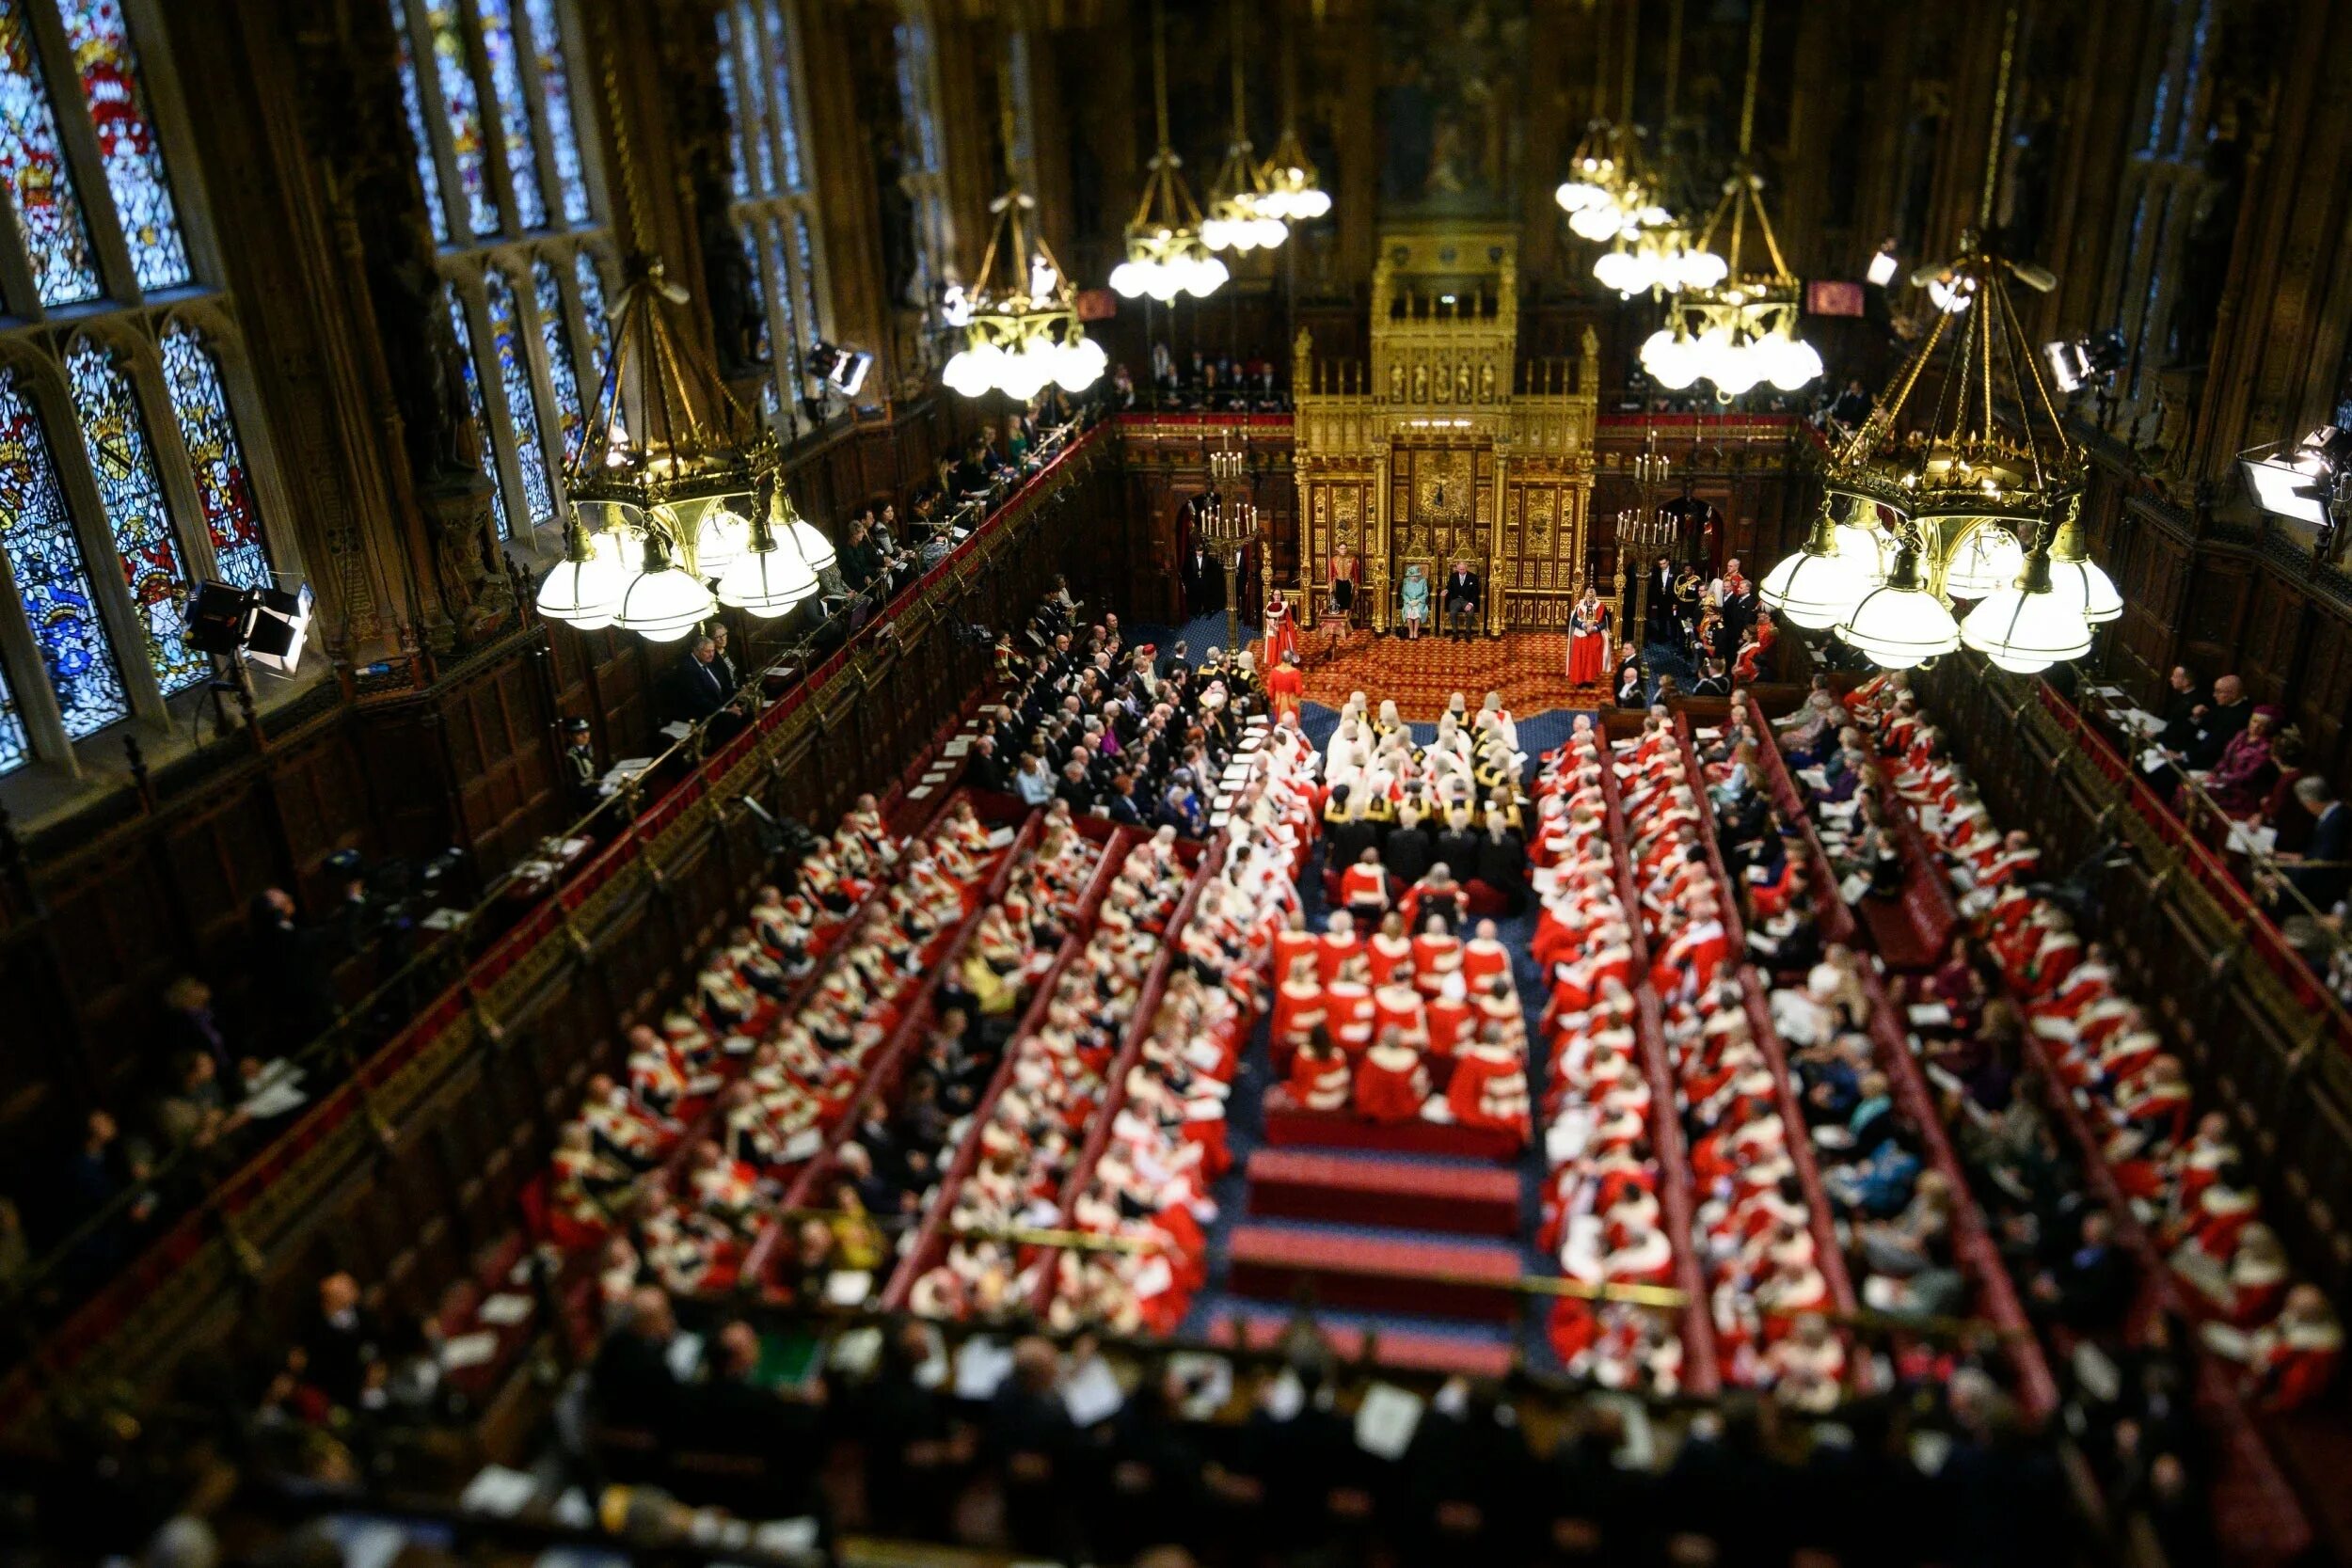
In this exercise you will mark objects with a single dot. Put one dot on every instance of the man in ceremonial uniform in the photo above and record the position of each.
(1461, 601)
(583, 779)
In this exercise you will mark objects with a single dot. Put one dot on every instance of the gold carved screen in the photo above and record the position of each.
(1442, 505)
(1444, 446)
(1546, 545)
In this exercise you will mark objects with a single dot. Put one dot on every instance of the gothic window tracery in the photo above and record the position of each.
(127, 479)
(774, 197)
(489, 90)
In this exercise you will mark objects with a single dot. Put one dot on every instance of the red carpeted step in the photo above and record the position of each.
(1439, 1280)
(1302, 1183)
(1286, 1126)
(1446, 1354)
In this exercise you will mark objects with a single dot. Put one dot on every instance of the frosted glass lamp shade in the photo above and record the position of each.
(1897, 627)
(1864, 551)
(2027, 631)
(767, 583)
(1813, 590)
(582, 594)
(1986, 562)
(663, 605)
(2084, 582)
(719, 538)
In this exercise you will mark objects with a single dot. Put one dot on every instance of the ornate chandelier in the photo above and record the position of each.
(673, 488)
(1660, 259)
(1238, 219)
(1021, 327)
(1294, 187)
(1598, 176)
(1612, 198)
(1979, 502)
(1610, 193)
(1731, 328)
(1166, 253)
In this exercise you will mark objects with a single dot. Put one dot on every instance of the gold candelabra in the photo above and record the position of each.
(1229, 525)
(1644, 532)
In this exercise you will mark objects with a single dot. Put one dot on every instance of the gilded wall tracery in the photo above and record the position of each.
(1446, 447)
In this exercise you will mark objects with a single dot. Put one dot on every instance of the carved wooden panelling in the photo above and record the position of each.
(2273, 629)
(500, 743)
(2214, 613)
(2324, 704)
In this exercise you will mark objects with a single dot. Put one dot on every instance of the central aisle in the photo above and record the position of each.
(1482, 1330)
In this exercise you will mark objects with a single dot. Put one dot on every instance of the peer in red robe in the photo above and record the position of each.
(1588, 642)
(1286, 683)
(1281, 636)
(1319, 1076)
(1488, 1088)
(2295, 1358)
(1391, 1084)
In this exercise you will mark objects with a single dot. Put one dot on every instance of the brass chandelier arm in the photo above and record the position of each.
(1633, 49)
(1241, 123)
(1743, 191)
(1673, 67)
(633, 196)
(1159, 71)
(1600, 66)
(1994, 138)
(2032, 372)
(1756, 62)
(1165, 202)
(1890, 403)
(1771, 241)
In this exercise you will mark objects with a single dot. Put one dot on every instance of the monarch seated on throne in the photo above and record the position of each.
(1413, 599)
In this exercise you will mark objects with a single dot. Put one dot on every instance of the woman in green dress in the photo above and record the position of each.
(1416, 599)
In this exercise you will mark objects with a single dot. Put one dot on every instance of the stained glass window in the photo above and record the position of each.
(755, 112)
(555, 99)
(124, 465)
(914, 95)
(804, 243)
(32, 160)
(506, 85)
(555, 337)
(13, 749)
(428, 168)
(224, 487)
(36, 534)
(592, 310)
(733, 103)
(759, 280)
(781, 111)
(1022, 151)
(773, 204)
(109, 69)
(462, 109)
(522, 409)
(473, 400)
(785, 310)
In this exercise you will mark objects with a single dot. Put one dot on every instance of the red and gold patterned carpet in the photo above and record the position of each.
(1529, 669)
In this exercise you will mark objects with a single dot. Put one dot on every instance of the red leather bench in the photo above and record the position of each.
(1301, 1184)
